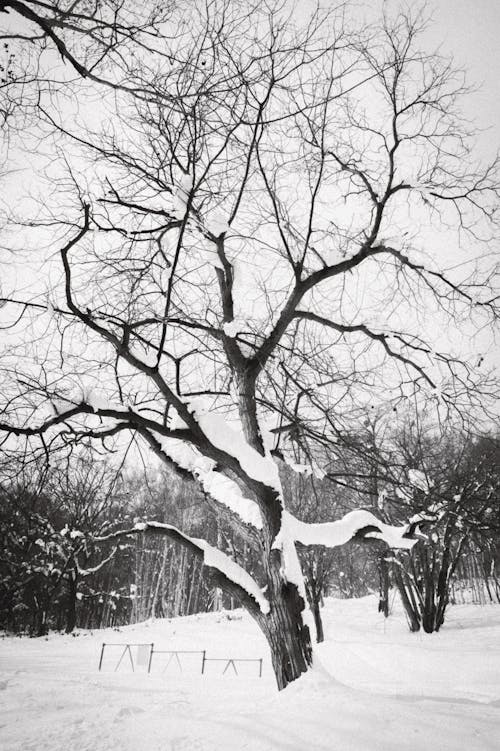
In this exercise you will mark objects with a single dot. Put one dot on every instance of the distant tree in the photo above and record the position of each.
(168, 579)
(47, 521)
(455, 476)
(347, 570)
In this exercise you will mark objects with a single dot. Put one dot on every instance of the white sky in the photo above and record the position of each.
(466, 29)
(469, 29)
(469, 32)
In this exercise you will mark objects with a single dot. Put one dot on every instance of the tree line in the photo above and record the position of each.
(54, 575)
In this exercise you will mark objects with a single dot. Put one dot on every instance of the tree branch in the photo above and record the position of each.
(226, 572)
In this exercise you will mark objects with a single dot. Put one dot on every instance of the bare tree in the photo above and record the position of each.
(455, 474)
(256, 239)
(47, 521)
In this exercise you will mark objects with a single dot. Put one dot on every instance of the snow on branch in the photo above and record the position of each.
(355, 523)
(418, 479)
(180, 451)
(94, 569)
(87, 397)
(221, 435)
(229, 574)
(308, 470)
(214, 558)
(218, 486)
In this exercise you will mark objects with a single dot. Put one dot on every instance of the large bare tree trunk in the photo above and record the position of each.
(289, 640)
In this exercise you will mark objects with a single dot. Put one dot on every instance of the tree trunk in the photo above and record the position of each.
(71, 607)
(318, 622)
(383, 572)
(314, 597)
(409, 606)
(161, 574)
(217, 595)
(288, 636)
(40, 627)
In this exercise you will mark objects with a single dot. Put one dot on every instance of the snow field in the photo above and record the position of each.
(374, 686)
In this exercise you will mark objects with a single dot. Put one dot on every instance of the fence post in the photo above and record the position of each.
(102, 655)
(260, 668)
(203, 662)
(150, 657)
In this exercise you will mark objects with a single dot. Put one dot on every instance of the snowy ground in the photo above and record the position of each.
(375, 686)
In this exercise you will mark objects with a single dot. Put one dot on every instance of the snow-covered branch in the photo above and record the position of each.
(355, 524)
(221, 488)
(228, 574)
(215, 427)
(94, 569)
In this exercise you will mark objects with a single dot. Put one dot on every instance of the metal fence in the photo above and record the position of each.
(145, 652)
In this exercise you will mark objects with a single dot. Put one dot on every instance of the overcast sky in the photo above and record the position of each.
(470, 30)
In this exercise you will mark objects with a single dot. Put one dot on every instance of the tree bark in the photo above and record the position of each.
(40, 627)
(383, 571)
(318, 622)
(411, 611)
(71, 606)
(288, 636)
(314, 591)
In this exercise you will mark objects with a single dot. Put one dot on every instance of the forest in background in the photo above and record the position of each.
(55, 575)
